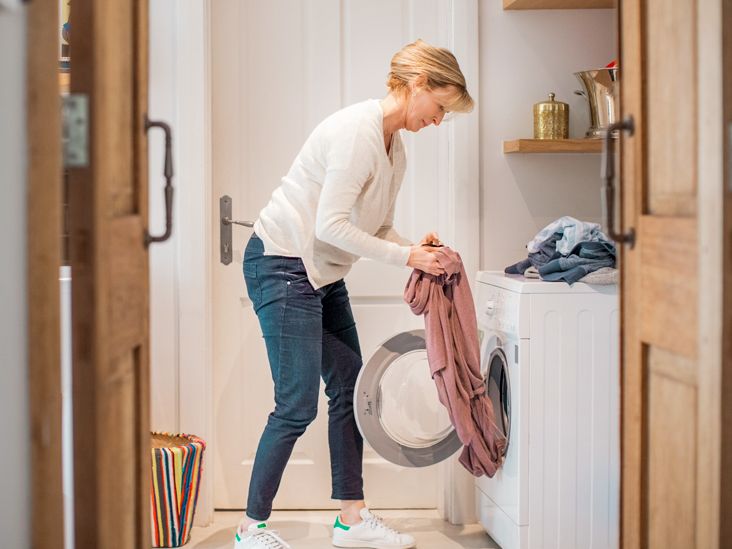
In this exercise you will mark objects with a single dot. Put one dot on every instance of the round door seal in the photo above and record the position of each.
(367, 404)
(498, 390)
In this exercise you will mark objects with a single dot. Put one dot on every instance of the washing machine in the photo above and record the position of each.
(397, 407)
(398, 410)
(550, 356)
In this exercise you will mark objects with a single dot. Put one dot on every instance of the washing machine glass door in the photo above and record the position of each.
(498, 388)
(397, 408)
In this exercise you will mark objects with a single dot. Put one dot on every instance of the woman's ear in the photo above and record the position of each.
(418, 84)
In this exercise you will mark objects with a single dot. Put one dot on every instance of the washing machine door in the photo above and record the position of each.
(498, 389)
(397, 408)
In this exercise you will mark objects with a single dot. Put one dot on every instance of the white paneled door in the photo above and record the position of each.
(279, 68)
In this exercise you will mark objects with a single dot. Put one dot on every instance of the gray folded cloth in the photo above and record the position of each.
(585, 258)
(603, 276)
(546, 252)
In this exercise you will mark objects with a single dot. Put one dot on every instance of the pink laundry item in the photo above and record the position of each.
(453, 353)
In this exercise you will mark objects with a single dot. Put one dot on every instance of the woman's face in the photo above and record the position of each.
(426, 107)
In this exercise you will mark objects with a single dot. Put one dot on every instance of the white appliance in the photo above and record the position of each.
(550, 356)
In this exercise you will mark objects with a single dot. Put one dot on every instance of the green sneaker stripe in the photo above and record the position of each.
(237, 537)
(339, 524)
(262, 525)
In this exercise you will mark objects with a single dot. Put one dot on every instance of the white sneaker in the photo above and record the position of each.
(371, 533)
(258, 536)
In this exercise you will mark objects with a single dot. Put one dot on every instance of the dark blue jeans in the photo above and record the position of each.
(308, 333)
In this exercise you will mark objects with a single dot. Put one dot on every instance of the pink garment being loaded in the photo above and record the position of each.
(454, 356)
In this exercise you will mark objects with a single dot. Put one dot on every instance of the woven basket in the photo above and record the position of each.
(176, 475)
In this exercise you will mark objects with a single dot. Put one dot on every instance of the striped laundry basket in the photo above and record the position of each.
(176, 476)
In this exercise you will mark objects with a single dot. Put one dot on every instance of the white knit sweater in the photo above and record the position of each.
(336, 204)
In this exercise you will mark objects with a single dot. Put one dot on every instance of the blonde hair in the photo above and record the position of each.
(437, 66)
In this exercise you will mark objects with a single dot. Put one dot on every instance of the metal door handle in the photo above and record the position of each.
(168, 173)
(227, 221)
(608, 174)
(225, 228)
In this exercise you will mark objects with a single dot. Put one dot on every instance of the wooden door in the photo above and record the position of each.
(673, 429)
(43, 127)
(107, 203)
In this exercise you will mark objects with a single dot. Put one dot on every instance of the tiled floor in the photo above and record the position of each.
(311, 530)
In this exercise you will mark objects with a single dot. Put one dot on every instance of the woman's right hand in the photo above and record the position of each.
(424, 259)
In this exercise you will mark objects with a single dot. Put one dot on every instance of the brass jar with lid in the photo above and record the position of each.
(551, 119)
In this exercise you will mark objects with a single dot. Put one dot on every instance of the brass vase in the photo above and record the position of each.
(551, 119)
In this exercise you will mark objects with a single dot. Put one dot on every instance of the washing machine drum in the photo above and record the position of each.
(498, 389)
(397, 408)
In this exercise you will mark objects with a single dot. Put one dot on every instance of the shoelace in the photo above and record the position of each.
(377, 522)
(270, 538)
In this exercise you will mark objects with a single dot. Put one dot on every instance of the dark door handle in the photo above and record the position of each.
(168, 173)
(608, 174)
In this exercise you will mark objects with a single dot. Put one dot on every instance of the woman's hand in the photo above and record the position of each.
(430, 238)
(422, 258)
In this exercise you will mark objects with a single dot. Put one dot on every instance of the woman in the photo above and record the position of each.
(334, 206)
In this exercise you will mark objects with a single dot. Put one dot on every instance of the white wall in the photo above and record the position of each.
(15, 480)
(162, 105)
(179, 269)
(524, 55)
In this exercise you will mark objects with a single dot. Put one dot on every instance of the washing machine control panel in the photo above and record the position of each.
(497, 308)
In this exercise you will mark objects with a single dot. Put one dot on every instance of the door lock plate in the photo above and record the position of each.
(225, 228)
(225, 223)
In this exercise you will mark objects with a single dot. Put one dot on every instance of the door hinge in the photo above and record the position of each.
(75, 137)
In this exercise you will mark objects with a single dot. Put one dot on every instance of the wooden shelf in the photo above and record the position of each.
(557, 4)
(552, 146)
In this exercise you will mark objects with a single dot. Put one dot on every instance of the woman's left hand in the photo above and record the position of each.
(430, 238)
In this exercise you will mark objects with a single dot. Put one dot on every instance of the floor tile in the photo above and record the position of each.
(311, 530)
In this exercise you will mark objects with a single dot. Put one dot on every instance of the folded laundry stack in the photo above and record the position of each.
(570, 250)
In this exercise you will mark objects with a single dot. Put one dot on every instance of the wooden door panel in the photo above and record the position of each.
(672, 445)
(668, 293)
(109, 259)
(670, 102)
(118, 526)
(127, 267)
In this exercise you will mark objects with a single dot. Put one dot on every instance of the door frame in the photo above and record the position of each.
(715, 390)
(192, 59)
(195, 346)
(725, 467)
(43, 119)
